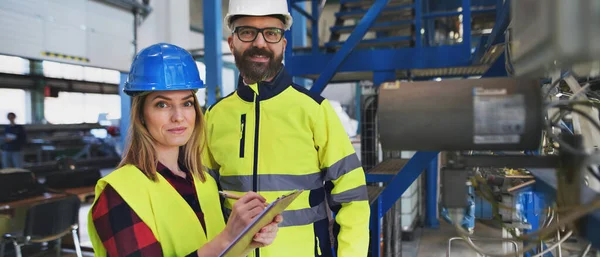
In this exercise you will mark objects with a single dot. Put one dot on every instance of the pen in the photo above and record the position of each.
(229, 195)
(233, 196)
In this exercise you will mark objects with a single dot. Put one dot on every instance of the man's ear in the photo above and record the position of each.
(284, 42)
(230, 43)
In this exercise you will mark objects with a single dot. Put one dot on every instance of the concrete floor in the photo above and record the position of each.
(426, 243)
(434, 242)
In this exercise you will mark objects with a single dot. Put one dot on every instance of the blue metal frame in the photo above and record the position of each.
(213, 55)
(125, 110)
(497, 35)
(299, 15)
(431, 209)
(363, 26)
(381, 60)
(533, 205)
(383, 63)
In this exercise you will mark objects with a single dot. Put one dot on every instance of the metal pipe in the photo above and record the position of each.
(461, 115)
(388, 232)
(397, 233)
(135, 32)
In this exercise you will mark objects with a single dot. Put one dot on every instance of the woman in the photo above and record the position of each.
(160, 202)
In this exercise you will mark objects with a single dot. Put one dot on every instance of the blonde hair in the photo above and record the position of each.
(140, 151)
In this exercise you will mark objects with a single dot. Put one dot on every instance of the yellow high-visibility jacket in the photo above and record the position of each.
(171, 219)
(276, 137)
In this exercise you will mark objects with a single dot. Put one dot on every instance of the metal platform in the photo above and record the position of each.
(374, 192)
(385, 171)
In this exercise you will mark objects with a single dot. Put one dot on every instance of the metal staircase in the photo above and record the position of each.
(386, 40)
(381, 40)
(393, 28)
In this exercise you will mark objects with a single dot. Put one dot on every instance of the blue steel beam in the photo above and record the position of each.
(500, 25)
(431, 211)
(374, 40)
(361, 11)
(497, 35)
(380, 60)
(213, 35)
(411, 171)
(299, 32)
(315, 26)
(466, 23)
(379, 77)
(352, 41)
(125, 109)
(379, 25)
(289, 36)
(497, 69)
(418, 23)
(376, 227)
(301, 11)
(456, 13)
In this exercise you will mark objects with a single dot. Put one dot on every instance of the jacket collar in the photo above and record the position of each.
(266, 90)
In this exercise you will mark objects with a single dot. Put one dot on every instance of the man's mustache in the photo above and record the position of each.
(258, 51)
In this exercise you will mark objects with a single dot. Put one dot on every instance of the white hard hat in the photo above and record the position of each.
(258, 8)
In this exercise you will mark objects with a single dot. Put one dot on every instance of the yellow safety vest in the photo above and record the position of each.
(275, 137)
(161, 207)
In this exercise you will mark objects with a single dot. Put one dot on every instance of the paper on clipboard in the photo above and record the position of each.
(238, 246)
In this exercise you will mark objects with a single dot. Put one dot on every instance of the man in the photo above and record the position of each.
(272, 136)
(14, 140)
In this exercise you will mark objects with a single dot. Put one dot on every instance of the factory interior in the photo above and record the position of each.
(476, 122)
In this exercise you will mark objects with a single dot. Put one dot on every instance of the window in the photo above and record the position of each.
(73, 108)
(17, 101)
(14, 65)
(78, 72)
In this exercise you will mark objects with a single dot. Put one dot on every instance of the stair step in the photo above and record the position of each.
(383, 26)
(373, 192)
(391, 11)
(388, 41)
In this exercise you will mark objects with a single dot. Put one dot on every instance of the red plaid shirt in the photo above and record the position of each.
(122, 231)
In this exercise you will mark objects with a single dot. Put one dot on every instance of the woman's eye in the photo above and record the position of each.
(188, 104)
(161, 105)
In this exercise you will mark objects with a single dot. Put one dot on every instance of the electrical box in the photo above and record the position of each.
(547, 35)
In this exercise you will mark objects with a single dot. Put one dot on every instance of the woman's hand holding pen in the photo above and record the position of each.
(267, 234)
(243, 212)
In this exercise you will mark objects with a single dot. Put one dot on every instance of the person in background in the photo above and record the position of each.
(14, 141)
(272, 136)
(160, 201)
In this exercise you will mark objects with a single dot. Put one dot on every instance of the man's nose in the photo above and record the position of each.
(259, 41)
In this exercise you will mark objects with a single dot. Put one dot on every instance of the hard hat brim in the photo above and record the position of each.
(192, 86)
(287, 24)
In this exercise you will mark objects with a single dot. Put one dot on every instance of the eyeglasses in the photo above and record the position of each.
(249, 34)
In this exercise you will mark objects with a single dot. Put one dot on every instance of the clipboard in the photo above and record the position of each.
(239, 244)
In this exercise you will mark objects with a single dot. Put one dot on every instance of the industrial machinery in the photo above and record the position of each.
(70, 147)
(491, 124)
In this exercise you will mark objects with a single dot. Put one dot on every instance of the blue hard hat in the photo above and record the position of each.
(162, 67)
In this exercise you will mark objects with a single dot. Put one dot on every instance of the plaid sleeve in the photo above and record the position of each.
(121, 230)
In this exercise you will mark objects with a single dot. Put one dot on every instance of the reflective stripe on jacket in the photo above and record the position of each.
(276, 137)
(159, 205)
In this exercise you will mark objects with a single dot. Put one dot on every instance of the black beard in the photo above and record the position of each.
(255, 72)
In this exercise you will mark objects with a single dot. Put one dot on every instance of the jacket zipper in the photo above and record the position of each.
(243, 134)
(255, 168)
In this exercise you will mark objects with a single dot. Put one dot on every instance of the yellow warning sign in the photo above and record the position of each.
(64, 56)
